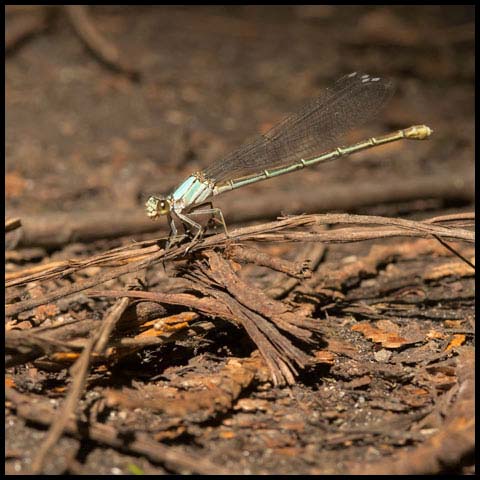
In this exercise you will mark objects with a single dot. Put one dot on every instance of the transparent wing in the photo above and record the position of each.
(314, 129)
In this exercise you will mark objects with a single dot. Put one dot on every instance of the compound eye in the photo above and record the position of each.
(163, 207)
(152, 207)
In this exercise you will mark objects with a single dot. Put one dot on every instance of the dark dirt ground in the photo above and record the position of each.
(391, 391)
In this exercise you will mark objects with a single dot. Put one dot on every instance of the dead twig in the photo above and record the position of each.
(38, 19)
(279, 231)
(25, 340)
(314, 253)
(60, 269)
(129, 253)
(178, 459)
(21, 30)
(56, 229)
(453, 217)
(104, 51)
(244, 254)
(12, 224)
(79, 370)
(455, 252)
(68, 408)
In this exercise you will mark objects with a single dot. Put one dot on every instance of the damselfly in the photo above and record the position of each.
(308, 137)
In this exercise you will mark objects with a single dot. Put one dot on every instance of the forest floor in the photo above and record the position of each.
(332, 332)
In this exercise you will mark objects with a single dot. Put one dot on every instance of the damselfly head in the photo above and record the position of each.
(156, 206)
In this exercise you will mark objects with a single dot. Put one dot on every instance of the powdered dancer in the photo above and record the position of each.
(291, 145)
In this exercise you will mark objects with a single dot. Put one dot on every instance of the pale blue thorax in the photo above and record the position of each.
(191, 192)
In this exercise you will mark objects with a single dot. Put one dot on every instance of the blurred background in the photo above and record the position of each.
(179, 87)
